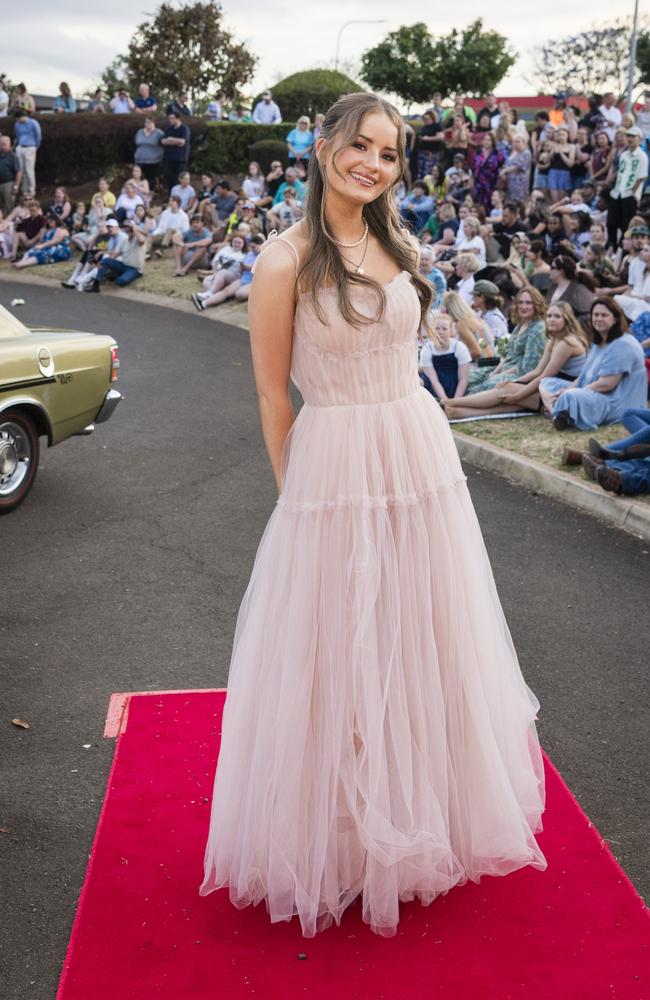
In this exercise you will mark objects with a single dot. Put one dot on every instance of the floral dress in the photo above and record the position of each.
(523, 352)
(518, 182)
(486, 173)
(50, 255)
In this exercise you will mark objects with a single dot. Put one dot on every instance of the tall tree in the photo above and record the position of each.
(188, 48)
(412, 64)
(592, 61)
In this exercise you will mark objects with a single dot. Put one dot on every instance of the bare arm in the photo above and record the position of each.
(271, 308)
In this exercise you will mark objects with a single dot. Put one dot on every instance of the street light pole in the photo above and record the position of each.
(342, 28)
(632, 66)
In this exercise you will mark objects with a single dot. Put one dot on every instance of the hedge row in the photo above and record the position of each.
(81, 147)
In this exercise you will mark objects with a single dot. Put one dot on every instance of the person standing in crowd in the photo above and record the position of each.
(4, 100)
(28, 139)
(21, 100)
(611, 115)
(486, 167)
(214, 110)
(643, 116)
(428, 145)
(176, 148)
(10, 175)
(65, 103)
(148, 150)
(266, 111)
(300, 142)
(145, 102)
(98, 101)
(179, 106)
(122, 103)
(626, 194)
(517, 170)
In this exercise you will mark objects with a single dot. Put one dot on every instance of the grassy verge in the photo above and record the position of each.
(537, 439)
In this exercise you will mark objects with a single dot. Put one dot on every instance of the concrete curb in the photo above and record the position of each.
(617, 510)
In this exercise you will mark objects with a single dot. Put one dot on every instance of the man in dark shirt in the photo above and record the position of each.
(176, 149)
(28, 232)
(505, 230)
(10, 175)
(179, 106)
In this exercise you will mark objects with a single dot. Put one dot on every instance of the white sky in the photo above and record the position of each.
(45, 41)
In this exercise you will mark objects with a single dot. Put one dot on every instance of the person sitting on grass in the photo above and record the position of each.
(61, 206)
(613, 378)
(28, 230)
(185, 192)
(226, 269)
(127, 202)
(54, 246)
(126, 268)
(104, 239)
(191, 247)
(240, 288)
(623, 466)
(472, 330)
(286, 213)
(79, 218)
(104, 189)
(525, 346)
(564, 355)
(427, 268)
(487, 302)
(171, 220)
(444, 366)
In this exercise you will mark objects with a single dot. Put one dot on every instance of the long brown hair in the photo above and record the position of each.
(323, 261)
(539, 305)
(572, 326)
(620, 320)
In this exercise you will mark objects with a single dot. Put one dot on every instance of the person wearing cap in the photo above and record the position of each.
(628, 187)
(266, 111)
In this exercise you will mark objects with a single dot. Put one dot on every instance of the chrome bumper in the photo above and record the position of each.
(111, 400)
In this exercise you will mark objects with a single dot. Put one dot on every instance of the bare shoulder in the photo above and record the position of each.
(297, 236)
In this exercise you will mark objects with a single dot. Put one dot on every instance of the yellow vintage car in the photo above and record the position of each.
(53, 384)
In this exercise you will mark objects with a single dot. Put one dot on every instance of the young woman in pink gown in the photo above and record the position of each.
(378, 736)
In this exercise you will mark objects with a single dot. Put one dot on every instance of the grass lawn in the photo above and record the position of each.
(536, 438)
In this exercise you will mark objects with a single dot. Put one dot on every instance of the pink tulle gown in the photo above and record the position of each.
(378, 736)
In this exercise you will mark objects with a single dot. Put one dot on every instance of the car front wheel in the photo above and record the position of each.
(19, 452)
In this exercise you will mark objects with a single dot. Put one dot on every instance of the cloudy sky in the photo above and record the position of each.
(43, 42)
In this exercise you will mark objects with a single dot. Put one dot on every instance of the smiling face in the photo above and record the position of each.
(602, 320)
(525, 306)
(362, 170)
(554, 320)
(238, 243)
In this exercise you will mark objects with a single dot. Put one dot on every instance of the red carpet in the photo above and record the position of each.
(577, 931)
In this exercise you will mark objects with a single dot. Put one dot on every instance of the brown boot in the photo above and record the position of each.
(590, 466)
(571, 457)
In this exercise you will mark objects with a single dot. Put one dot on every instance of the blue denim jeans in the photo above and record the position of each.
(125, 273)
(637, 422)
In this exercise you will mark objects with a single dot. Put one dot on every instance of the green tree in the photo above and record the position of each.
(412, 64)
(310, 91)
(643, 56)
(592, 61)
(185, 47)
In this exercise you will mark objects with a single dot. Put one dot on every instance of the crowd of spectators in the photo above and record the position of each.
(535, 237)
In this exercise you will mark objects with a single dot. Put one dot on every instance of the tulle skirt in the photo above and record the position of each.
(378, 737)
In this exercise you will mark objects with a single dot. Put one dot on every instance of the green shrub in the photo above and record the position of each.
(265, 151)
(80, 148)
(310, 92)
(227, 146)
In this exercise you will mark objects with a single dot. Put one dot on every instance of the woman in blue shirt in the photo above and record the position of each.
(65, 102)
(300, 142)
(612, 380)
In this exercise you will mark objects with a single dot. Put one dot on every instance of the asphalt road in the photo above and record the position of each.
(125, 567)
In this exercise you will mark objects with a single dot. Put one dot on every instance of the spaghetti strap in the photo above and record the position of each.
(274, 237)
